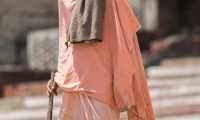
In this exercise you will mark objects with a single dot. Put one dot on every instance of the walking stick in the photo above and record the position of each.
(50, 105)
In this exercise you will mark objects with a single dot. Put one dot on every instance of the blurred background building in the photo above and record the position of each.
(169, 40)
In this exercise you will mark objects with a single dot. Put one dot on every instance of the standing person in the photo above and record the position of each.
(102, 78)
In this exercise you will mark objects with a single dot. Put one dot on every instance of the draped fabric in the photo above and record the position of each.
(77, 106)
(110, 71)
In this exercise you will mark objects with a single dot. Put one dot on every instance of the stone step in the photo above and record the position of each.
(181, 117)
(155, 72)
(36, 114)
(8, 104)
(177, 110)
(31, 102)
(174, 87)
(178, 117)
(28, 114)
(174, 91)
(183, 61)
(176, 106)
(166, 82)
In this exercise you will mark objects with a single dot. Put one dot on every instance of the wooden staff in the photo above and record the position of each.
(50, 105)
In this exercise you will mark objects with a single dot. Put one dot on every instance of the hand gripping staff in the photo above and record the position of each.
(50, 105)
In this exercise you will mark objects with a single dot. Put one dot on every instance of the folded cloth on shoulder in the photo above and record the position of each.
(86, 24)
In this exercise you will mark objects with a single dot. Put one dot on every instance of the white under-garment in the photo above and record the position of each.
(77, 106)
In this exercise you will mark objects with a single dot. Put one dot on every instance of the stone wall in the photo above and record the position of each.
(176, 14)
(166, 15)
(146, 12)
(190, 9)
(42, 49)
(17, 18)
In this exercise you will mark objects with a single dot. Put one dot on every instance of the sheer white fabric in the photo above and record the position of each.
(77, 106)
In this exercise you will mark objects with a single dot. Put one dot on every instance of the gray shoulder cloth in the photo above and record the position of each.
(86, 24)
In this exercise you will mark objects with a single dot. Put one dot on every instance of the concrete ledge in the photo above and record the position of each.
(181, 117)
(172, 72)
(167, 83)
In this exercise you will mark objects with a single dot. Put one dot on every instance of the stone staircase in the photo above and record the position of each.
(175, 96)
(175, 92)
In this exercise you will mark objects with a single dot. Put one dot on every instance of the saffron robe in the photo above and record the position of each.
(110, 71)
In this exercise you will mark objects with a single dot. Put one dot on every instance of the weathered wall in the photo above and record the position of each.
(177, 14)
(17, 18)
(146, 12)
(42, 49)
(190, 12)
(168, 15)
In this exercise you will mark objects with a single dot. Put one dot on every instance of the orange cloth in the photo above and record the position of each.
(77, 106)
(111, 71)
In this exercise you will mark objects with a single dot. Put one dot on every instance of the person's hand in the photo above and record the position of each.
(51, 89)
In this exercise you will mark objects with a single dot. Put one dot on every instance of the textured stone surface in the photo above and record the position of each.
(169, 15)
(23, 75)
(175, 98)
(11, 68)
(185, 39)
(42, 49)
(172, 72)
(146, 12)
(24, 89)
(36, 89)
(156, 58)
(164, 44)
(186, 61)
(19, 17)
(7, 52)
(32, 108)
(181, 117)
